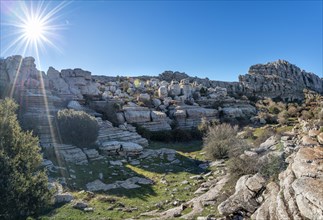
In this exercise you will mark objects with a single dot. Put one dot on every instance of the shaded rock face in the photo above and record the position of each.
(279, 79)
(72, 84)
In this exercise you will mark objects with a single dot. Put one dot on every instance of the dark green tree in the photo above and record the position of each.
(23, 185)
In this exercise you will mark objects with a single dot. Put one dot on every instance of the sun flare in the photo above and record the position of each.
(34, 29)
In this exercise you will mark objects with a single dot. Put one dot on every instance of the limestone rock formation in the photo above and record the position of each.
(72, 84)
(279, 79)
(244, 198)
(299, 194)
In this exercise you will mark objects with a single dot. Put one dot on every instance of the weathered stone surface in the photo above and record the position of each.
(279, 79)
(162, 92)
(188, 117)
(308, 141)
(174, 88)
(131, 183)
(136, 114)
(63, 198)
(92, 154)
(70, 84)
(120, 148)
(71, 154)
(320, 138)
(75, 105)
(299, 194)
(144, 97)
(107, 133)
(244, 197)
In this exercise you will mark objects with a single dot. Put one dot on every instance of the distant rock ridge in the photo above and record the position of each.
(278, 79)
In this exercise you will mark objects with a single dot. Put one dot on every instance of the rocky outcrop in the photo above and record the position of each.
(188, 116)
(71, 154)
(279, 79)
(244, 200)
(131, 183)
(107, 133)
(72, 84)
(120, 148)
(29, 86)
(299, 194)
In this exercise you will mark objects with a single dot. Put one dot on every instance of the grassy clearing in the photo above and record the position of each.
(168, 188)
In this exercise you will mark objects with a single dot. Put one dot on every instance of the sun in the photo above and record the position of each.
(34, 29)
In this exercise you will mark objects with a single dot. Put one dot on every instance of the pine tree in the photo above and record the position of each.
(23, 186)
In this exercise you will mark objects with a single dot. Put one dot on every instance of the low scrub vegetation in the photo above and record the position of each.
(174, 135)
(221, 142)
(77, 128)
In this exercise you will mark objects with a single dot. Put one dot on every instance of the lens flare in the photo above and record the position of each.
(33, 27)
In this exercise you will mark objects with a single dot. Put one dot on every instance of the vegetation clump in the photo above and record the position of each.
(221, 142)
(23, 185)
(77, 127)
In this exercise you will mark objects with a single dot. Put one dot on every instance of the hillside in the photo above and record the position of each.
(149, 159)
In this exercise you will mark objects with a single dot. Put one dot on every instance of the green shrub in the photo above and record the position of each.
(306, 115)
(271, 167)
(77, 127)
(23, 186)
(273, 109)
(263, 136)
(242, 166)
(283, 117)
(221, 141)
(163, 136)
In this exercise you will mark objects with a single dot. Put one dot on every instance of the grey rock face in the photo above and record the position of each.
(279, 79)
(72, 84)
(244, 197)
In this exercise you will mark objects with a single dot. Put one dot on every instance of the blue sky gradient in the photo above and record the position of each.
(214, 39)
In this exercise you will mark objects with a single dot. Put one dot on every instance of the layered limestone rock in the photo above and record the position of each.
(188, 116)
(71, 154)
(299, 194)
(245, 197)
(279, 79)
(72, 84)
(108, 133)
(29, 86)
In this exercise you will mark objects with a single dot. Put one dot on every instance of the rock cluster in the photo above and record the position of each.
(71, 84)
(279, 79)
(131, 183)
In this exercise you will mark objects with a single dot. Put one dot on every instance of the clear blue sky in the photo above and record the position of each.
(214, 39)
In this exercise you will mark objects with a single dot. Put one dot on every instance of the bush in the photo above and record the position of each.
(221, 142)
(306, 115)
(292, 111)
(77, 127)
(283, 117)
(23, 186)
(264, 135)
(271, 167)
(163, 136)
(239, 166)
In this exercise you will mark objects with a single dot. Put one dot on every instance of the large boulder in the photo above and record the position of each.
(174, 88)
(244, 198)
(136, 114)
(162, 92)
